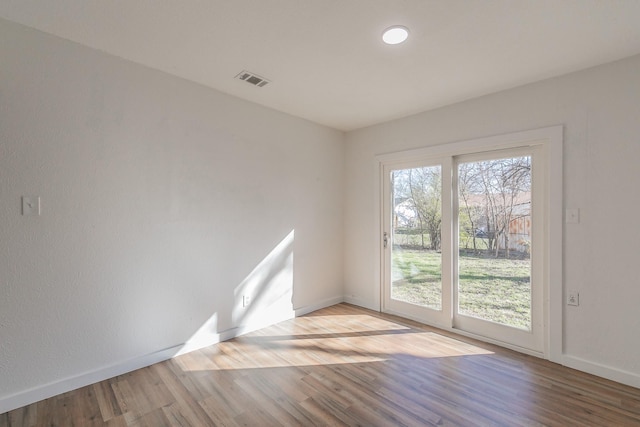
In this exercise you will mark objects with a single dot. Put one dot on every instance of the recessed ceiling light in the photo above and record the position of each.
(395, 35)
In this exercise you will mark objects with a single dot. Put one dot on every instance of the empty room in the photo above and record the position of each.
(319, 212)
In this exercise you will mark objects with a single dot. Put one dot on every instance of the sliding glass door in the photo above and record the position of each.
(461, 239)
(413, 240)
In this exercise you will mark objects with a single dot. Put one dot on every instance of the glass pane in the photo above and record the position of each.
(416, 267)
(494, 235)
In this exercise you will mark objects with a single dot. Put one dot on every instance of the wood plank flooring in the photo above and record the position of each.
(344, 365)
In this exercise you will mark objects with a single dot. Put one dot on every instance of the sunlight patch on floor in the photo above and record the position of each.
(326, 340)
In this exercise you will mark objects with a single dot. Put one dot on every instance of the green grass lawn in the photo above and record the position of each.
(490, 288)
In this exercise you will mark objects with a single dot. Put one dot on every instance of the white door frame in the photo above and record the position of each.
(532, 339)
(550, 139)
(421, 314)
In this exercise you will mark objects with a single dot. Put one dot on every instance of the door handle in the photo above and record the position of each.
(385, 239)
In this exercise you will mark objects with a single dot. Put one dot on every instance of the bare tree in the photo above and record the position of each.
(467, 185)
(499, 188)
(425, 185)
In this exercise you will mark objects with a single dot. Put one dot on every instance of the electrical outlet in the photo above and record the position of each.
(30, 205)
(572, 216)
(573, 298)
(246, 300)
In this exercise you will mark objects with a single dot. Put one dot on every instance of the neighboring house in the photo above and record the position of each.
(519, 230)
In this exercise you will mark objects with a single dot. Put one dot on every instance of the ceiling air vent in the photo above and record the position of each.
(252, 78)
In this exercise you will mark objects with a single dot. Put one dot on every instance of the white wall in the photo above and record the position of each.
(162, 202)
(600, 109)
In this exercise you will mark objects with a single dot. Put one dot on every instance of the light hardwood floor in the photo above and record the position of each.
(344, 365)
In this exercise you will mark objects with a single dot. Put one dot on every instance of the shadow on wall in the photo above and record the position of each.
(263, 298)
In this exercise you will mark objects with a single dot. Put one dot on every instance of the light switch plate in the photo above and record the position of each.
(572, 216)
(30, 205)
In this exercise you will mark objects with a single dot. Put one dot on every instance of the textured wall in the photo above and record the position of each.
(600, 111)
(162, 202)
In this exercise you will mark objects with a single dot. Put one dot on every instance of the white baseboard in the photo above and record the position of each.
(361, 303)
(46, 391)
(202, 342)
(597, 369)
(36, 394)
(319, 305)
(215, 338)
(604, 371)
(27, 397)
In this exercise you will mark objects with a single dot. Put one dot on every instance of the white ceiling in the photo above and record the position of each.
(325, 58)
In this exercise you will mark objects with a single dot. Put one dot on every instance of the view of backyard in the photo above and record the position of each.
(493, 235)
(493, 289)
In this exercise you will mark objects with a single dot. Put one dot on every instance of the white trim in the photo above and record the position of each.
(378, 209)
(555, 236)
(603, 371)
(469, 334)
(439, 317)
(534, 339)
(490, 143)
(551, 138)
(27, 397)
(36, 394)
(216, 337)
(317, 306)
(362, 303)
